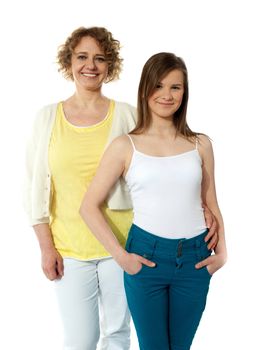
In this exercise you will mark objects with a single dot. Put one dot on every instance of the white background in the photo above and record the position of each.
(218, 41)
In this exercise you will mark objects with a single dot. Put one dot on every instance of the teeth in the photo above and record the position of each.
(89, 75)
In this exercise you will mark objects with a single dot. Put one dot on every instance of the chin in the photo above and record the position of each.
(91, 85)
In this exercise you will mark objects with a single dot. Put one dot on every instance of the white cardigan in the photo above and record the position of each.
(37, 189)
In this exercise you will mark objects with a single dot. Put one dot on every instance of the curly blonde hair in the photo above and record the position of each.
(105, 39)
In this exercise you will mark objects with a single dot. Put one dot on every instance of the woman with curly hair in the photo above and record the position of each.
(66, 146)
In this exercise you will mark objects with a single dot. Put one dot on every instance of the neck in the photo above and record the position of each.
(86, 98)
(162, 127)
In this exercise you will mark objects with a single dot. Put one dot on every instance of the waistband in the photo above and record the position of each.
(167, 243)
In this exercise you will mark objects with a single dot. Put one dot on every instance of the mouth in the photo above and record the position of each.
(89, 75)
(166, 104)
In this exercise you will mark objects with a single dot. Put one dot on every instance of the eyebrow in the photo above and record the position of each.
(85, 53)
(174, 84)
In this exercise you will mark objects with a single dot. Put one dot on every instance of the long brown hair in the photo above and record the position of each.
(154, 70)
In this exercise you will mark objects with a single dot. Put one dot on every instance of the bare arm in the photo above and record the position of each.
(209, 198)
(51, 260)
(211, 223)
(112, 166)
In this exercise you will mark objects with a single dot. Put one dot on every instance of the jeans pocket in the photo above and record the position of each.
(142, 248)
(137, 273)
(203, 253)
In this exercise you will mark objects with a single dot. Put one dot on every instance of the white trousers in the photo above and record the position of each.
(93, 305)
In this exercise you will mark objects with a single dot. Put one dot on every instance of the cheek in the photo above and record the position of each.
(151, 100)
(180, 98)
(71, 72)
(75, 68)
(105, 67)
(104, 71)
(154, 96)
(151, 104)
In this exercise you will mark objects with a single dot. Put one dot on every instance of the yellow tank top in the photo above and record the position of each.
(74, 155)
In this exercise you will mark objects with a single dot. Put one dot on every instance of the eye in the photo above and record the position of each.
(176, 87)
(100, 59)
(158, 86)
(81, 57)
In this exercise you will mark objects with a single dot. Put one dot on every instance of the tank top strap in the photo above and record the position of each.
(131, 142)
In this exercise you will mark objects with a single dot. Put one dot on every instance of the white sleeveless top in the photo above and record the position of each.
(166, 193)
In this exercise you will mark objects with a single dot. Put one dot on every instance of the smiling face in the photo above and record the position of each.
(88, 65)
(168, 95)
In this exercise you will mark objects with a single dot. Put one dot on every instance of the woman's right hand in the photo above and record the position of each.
(132, 263)
(52, 264)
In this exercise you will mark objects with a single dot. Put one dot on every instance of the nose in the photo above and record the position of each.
(90, 64)
(167, 95)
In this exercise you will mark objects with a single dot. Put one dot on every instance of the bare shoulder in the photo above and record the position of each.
(204, 141)
(204, 146)
(122, 141)
(120, 147)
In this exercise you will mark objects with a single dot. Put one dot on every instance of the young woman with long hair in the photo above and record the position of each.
(169, 170)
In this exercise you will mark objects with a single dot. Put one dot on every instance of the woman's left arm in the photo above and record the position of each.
(209, 199)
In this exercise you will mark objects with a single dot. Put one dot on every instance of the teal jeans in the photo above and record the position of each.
(167, 301)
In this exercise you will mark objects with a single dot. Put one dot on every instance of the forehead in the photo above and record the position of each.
(89, 44)
(173, 77)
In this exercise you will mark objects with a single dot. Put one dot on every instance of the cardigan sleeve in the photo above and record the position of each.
(36, 168)
(30, 157)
